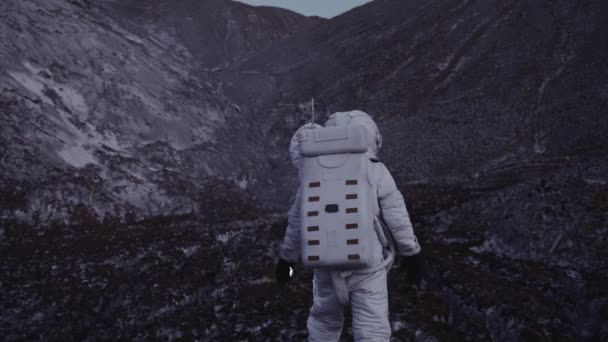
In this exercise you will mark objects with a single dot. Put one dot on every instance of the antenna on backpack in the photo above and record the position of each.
(312, 116)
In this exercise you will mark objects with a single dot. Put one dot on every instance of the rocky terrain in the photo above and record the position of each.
(459, 86)
(143, 164)
(216, 32)
(193, 280)
(119, 124)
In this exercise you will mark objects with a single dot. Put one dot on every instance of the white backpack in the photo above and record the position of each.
(337, 200)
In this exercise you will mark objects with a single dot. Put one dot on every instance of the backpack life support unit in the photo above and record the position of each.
(337, 201)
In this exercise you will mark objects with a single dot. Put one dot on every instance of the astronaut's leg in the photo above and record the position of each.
(326, 314)
(369, 300)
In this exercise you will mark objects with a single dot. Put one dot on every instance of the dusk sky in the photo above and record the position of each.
(322, 8)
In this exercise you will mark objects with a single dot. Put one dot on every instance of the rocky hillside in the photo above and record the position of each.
(459, 86)
(107, 120)
(216, 32)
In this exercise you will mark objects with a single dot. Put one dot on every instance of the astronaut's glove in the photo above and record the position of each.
(284, 271)
(413, 266)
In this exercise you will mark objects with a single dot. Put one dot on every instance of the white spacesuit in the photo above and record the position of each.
(366, 291)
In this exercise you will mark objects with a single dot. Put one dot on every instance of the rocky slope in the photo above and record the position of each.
(216, 32)
(102, 119)
(458, 86)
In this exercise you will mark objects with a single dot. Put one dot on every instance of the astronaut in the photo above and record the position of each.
(366, 292)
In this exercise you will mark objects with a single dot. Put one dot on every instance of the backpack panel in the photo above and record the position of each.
(337, 211)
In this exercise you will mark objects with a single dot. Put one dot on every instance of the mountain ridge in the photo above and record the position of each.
(218, 32)
(437, 68)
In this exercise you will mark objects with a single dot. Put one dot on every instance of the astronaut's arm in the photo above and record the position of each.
(396, 216)
(290, 247)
